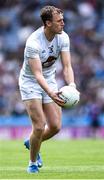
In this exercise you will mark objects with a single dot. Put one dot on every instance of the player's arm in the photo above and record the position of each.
(36, 67)
(67, 68)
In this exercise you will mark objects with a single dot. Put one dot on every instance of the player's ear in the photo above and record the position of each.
(48, 23)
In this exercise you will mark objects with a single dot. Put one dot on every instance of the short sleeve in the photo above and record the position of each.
(65, 43)
(31, 52)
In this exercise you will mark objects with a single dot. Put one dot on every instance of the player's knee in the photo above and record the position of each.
(56, 128)
(38, 130)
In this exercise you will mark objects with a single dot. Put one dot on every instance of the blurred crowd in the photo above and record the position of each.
(84, 22)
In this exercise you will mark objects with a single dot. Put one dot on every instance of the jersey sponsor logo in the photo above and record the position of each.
(49, 62)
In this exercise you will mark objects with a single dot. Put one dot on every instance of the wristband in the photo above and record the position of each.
(72, 84)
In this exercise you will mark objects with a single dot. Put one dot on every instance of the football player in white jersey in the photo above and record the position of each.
(37, 82)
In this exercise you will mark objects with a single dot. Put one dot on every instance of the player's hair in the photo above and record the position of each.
(47, 13)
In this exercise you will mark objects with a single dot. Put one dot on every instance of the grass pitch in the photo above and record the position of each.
(71, 159)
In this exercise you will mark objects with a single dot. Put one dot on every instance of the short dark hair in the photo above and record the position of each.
(47, 13)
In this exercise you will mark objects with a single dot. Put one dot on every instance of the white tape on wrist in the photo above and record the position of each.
(72, 84)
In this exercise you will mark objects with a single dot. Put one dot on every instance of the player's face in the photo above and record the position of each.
(57, 23)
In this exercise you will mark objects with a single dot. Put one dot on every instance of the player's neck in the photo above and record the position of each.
(49, 35)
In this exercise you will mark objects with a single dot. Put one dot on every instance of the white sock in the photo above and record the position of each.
(32, 163)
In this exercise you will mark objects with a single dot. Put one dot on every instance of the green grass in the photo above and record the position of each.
(71, 159)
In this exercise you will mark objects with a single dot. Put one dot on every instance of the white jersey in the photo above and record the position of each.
(37, 46)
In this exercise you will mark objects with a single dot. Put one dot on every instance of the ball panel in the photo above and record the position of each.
(70, 95)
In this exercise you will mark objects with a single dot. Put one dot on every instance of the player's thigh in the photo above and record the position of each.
(53, 114)
(54, 87)
(35, 111)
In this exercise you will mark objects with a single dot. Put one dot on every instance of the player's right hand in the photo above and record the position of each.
(55, 97)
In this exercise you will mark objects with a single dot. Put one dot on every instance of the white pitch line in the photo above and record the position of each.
(61, 169)
(83, 168)
(50, 179)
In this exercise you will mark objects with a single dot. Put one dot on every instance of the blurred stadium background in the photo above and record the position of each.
(84, 22)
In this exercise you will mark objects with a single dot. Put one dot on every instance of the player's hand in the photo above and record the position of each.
(55, 97)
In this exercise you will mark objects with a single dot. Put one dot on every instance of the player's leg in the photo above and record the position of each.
(53, 116)
(35, 112)
(52, 112)
(38, 159)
